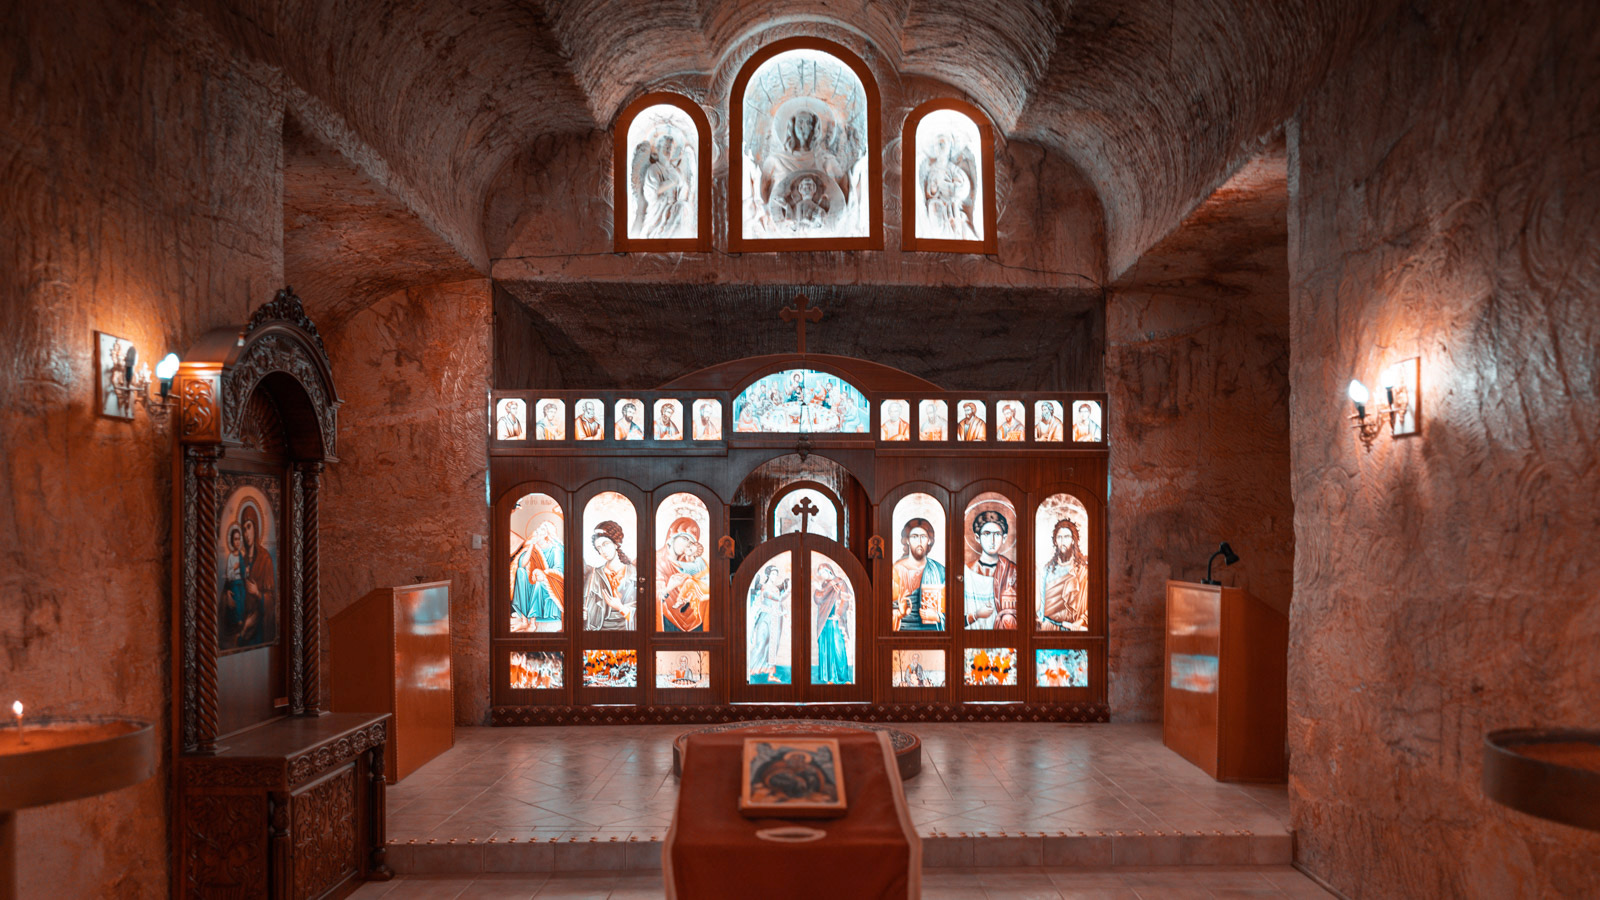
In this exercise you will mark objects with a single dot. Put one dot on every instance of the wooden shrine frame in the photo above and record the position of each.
(952, 472)
(291, 805)
(909, 239)
(622, 156)
(873, 240)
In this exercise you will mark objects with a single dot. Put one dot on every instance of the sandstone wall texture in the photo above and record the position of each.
(139, 195)
(410, 489)
(1197, 368)
(1445, 585)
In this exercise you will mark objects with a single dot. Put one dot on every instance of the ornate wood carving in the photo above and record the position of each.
(197, 404)
(297, 605)
(285, 306)
(314, 762)
(226, 845)
(232, 774)
(282, 837)
(324, 834)
(262, 427)
(270, 353)
(378, 862)
(205, 598)
(186, 631)
(310, 578)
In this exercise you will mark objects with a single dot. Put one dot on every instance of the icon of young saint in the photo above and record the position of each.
(509, 425)
(991, 580)
(550, 427)
(831, 599)
(683, 578)
(971, 426)
(1048, 426)
(918, 582)
(628, 428)
(588, 426)
(538, 574)
(1064, 582)
(611, 589)
(1086, 423)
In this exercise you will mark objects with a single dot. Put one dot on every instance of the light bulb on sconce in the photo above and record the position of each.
(166, 370)
(1399, 383)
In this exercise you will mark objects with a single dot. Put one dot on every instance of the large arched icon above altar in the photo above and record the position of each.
(683, 565)
(804, 161)
(1060, 535)
(663, 182)
(769, 635)
(538, 564)
(247, 561)
(918, 577)
(990, 581)
(610, 570)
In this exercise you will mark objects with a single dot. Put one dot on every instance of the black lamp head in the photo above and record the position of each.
(1228, 558)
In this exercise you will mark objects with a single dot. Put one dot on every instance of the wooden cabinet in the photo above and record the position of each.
(390, 652)
(1226, 699)
(289, 810)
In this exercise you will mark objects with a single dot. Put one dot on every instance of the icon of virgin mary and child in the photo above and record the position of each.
(683, 577)
(249, 584)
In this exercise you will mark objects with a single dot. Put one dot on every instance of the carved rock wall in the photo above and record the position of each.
(143, 200)
(1197, 368)
(1445, 585)
(408, 492)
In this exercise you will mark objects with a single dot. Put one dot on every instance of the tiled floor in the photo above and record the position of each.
(938, 884)
(616, 782)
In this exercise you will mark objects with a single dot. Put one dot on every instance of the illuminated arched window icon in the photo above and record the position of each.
(1008, 423)
(918, 577)
(589, 423)
(1086, 422)
(669, 420)
(804, 160)
(708, 420)
(801, 400)
(933, 420)
(1060, 553)
(767, 630)
(683, 564)
(824, 522)
(551, 424)
(663, 174)
(896, 420)
(1047, 423)
(610, 564)
(833, 610)
(950, 189)
(538, 564)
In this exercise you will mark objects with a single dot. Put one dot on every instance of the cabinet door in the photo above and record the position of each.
(326, 834)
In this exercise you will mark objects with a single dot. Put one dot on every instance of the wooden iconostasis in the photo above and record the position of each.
(796, 529)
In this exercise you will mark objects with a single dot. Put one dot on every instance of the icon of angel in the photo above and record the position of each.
(947, 180)
(663, 178)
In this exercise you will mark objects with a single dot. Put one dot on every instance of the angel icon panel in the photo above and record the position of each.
(768, 630)
(949, 199)
(663, 180)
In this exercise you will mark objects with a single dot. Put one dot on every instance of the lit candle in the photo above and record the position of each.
(16, 710)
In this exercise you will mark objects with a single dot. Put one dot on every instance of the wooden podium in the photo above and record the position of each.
(390, 651)
(1226, 695)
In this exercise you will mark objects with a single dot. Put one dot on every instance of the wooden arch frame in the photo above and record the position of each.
(839, 511)
(622, 157)
(873, 240)
(909, 239)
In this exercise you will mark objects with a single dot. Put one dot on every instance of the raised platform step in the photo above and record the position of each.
(1087, 849)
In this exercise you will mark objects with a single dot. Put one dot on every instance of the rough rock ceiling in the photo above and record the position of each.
(640, 335)
(1157, 101)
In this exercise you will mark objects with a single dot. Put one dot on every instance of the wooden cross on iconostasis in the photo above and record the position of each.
(800, 313)
(805, 509)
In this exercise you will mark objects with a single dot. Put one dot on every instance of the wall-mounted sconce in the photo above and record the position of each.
(1400, 407)
(124, 383)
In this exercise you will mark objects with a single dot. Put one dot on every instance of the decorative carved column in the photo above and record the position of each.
(280, 840)
(378, 869)
(204, 637)
(310, 476)
(296, 632)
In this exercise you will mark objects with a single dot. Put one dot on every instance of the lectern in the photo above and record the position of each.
(390, 651)
(1226, 696)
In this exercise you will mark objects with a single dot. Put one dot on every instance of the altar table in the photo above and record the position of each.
(712, 851)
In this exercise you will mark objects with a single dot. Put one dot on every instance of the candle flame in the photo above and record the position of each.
(17, 708)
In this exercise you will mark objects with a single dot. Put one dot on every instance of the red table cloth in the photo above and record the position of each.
(712, 851)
